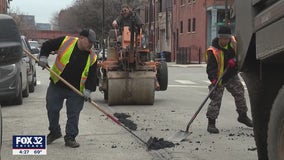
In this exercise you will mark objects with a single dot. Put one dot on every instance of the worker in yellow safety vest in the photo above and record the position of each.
(220, 55)
(77, 64)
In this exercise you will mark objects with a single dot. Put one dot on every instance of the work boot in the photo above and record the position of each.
(71, 142)
(52, 137)
(243, 118)
(211, 128)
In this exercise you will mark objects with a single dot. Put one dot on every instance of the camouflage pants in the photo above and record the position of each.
(235, 87)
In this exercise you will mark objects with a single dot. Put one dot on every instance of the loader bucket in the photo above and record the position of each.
(135, 88)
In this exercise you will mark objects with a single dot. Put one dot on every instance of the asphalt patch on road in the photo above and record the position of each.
(122, 118)
(155, 143)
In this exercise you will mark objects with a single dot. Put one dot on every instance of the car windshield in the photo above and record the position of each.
(101, 51)
(34, 44)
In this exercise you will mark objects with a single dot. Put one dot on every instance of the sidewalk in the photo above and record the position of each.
(173, 64)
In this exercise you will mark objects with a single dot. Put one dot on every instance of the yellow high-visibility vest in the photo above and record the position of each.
(63, 55)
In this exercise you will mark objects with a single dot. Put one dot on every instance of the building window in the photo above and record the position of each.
(221, 16)
(169, 5)
(189, 25)
(161, 6)
(146, 14)
(181, 27)
(182, 2)
(193, 25)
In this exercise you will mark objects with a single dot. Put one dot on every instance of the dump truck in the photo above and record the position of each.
(130, 75)
(260, 36)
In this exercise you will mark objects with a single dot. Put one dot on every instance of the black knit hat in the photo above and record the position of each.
(89, 33)
(224, 32)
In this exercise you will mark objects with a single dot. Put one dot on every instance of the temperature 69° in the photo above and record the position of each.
(37, 151)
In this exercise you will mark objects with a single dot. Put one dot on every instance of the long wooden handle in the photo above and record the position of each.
(72, 87)
(114, 119)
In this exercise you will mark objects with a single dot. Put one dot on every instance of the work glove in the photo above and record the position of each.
(87, 95)
(43, 62)
(231, 63)
(213, 81)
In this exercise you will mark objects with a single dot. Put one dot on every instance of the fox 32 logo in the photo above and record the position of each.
(34, 143)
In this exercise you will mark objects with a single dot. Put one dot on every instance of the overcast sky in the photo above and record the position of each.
(43, 10)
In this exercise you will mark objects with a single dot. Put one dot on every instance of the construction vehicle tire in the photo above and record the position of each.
(162, 76)
(105, 95)
(276, 128)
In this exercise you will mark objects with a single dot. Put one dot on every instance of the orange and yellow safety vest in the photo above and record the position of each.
(219, 55)
(63, 55)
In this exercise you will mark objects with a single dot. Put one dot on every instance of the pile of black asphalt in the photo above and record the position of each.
(122, 118)
(155, 143)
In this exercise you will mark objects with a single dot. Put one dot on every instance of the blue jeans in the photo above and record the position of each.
(55, 97)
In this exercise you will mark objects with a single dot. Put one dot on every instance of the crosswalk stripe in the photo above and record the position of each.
(185, 82)
(190, 86)
(207, 81)
(185, 86)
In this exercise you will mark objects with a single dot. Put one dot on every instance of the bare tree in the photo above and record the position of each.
(54, 21)
(88, 14)
(24, 26)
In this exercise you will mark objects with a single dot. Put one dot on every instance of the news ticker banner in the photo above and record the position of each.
(29, 145)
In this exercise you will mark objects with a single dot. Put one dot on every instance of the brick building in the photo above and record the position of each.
(194, 25)
(158, 24)
(4, 5)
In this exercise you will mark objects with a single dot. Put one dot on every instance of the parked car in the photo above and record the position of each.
(31, 65)
(35, 47)
(9, 40)
(14, 83)
(14, 80)
(7, 24)
(100, 54)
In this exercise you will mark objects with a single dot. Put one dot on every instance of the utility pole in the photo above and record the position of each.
(227, 20)
(154, 20)
(103, 30)
(150, 23)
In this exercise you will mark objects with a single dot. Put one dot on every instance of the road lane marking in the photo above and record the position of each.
(185, 82)
(207, 81)
(190, 86)
(185, 86)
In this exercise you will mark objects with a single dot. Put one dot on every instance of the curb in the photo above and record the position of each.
(173, 64)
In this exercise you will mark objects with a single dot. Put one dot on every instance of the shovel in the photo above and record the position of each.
(181, 135)
(114, 119)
